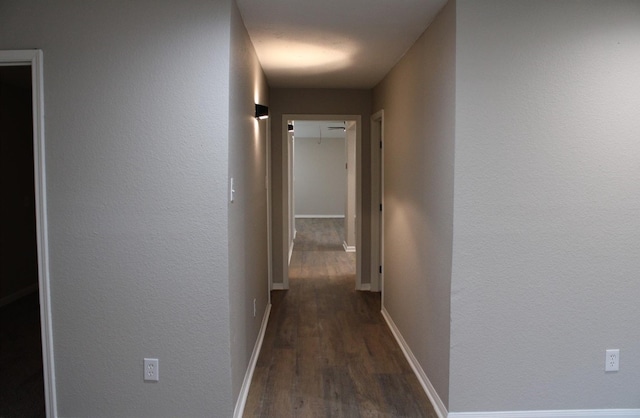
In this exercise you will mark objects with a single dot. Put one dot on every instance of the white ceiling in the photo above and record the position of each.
(318, 129)
(333, 43)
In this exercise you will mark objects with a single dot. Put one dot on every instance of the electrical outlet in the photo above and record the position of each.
(151, 371)
(254, 307)
(612, 362)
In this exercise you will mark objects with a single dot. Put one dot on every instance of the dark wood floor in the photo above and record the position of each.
(327, 351)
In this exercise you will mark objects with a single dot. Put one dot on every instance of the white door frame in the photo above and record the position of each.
(350, 216)
(291, 188)
(285, 191)
(377, 202)
(267, 185)
(33, 58)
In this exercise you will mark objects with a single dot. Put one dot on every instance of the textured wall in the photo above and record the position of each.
(418, 101)
(248, 274)
(547, 196)
(136, 132)
(321, 179)
(320, 102)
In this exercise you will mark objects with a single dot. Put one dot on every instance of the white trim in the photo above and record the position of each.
(291, 245)
(575, 413)
(285, 187)
(441, 410)
(19, 294)
(246, 383)
(377, 198)
(365, 287)
(348, 248)
(290, 188)
(320, 216)
(278, 286)
(42, 231)
(33, 57)
(267, 180)
(437, 403)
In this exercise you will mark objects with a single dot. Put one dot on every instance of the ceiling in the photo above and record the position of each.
(318, 129)
(333, 43)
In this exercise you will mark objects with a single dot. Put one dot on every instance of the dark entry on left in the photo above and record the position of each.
(21, 372)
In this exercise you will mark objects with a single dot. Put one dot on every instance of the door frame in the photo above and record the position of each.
(351, 216)
(285, 192)
(33, 58)
(377, 202)
(267, 185)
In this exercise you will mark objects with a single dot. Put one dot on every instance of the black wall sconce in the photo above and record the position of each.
(262, 111)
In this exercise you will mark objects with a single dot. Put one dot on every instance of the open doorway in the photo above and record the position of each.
(377, 202)
(322, 160)
(328, 144)
(26, 357)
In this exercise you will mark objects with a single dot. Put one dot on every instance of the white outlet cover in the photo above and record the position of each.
(151, 370)
(612, 360)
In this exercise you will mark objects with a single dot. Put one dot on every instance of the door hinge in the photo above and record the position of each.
(380, 269)
(380, 207)
(380, 144)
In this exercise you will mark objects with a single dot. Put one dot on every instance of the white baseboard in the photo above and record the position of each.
(291, 244)
(320, 216)
(19, 294)
(278, 286)
(569, 413)
(441, 410)
(365, 287)
(246, 384)
(437, 403)
(348, 248)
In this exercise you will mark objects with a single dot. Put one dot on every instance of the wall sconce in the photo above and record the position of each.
(290, 127)
(262, 111)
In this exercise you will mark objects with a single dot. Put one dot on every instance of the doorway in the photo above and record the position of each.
(25, 276)
(377, 202)
(322, 184)
(349, 125)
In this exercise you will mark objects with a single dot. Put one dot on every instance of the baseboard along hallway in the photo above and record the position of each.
(327, 350)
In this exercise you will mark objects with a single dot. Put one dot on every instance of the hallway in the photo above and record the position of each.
(327, 350)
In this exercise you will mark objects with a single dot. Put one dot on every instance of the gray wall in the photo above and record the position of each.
(418, 97)
(547, 195)
(248, 264)
(137, 125)
(320, 177)
(543, 117)
(311, 102)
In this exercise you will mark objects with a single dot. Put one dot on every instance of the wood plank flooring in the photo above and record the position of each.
(327, 351)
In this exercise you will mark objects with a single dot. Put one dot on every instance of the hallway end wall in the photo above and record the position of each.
(321, 177)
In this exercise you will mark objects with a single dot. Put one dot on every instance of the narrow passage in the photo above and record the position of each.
(327, 350)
